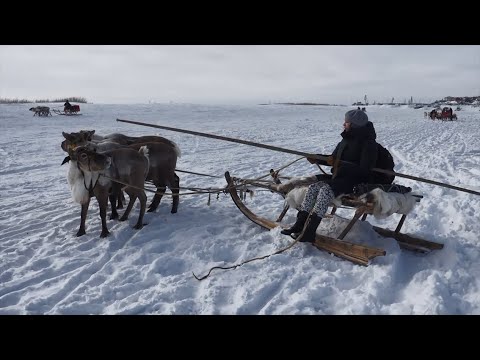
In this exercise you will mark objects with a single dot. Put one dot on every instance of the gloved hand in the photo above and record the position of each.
(329, 161)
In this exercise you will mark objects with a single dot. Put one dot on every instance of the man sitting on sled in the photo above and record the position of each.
(358, 149)
(67, 107)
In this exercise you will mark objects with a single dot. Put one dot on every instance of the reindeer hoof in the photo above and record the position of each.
(174, 211)
(123, 218)
(104, 234)
(81, 232)
(138, 226)
(151, 210)
(113, 216)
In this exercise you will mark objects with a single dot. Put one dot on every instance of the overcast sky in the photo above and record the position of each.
(238, 74)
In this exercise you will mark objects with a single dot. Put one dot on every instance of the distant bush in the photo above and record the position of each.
(25, 101)
(14, 101)
(71, 99)
(41, 101)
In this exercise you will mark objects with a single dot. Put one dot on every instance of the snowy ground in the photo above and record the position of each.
(46, 269)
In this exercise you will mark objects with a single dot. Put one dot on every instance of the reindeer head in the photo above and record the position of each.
(73, 140)
(88, 134)
(90, 160)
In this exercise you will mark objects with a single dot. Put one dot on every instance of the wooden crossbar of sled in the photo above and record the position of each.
(356, 253)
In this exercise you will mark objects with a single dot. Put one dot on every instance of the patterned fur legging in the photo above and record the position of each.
(318, 197)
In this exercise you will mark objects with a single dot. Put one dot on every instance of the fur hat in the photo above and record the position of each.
(357, 118)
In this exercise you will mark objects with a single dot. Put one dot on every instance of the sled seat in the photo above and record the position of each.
(363, 208)
(381, 201)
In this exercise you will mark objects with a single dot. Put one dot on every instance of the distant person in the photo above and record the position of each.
(359, 149)
(364, 110)
(358, 108)
(67, 107)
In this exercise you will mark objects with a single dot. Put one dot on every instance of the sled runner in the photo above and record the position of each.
(363, 204)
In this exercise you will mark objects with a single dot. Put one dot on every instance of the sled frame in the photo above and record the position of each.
(356, 253)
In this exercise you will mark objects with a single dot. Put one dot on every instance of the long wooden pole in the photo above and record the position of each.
(300, 153)
(238, 141)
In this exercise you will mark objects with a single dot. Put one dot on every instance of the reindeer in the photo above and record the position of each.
(163, 158)
(75, 176)
(126, 165)
(41, 111)
(163, 155)
(84, 137)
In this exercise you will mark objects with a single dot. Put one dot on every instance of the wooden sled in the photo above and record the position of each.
(356, 253)
(75, 110)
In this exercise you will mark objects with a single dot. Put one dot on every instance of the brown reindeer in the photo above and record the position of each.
(163, 160)
(72, 141)
(126, 165)
(163, 155)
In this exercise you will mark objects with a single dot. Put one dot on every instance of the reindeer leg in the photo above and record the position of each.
(83, 216)
(121, 199)
(133, 197)
(157, 198)
(113, 203)
(102, 198)
(143, 204)
(175, 192)
(113, 196)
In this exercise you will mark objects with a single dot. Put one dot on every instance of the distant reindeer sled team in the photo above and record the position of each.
(68, 109)
(361, 179)
(445, 114)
